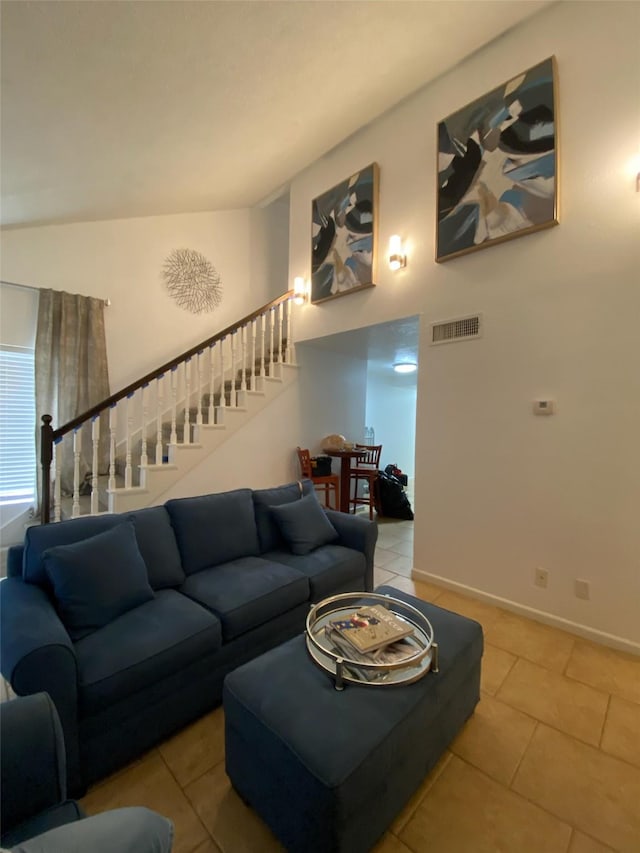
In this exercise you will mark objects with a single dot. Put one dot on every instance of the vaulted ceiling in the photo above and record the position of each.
(118, 109)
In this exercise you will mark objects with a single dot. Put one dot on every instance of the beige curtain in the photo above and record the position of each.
(71, 373)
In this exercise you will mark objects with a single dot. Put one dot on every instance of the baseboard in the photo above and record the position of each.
(584, 631)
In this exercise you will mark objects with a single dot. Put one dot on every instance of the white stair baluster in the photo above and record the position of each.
(113, 419)
(212, 376)
(186, 438)
(159, 402)
(243, 344)
(144, 458)
(254, 324)
(95, 443)
(263, 360)
(287, 352)
(232, 341)
(271, 352)
(127, 464)
(77, 441)
(57, 487)
(173, 439)
(280, 339)
(223, 392)
(199, 368)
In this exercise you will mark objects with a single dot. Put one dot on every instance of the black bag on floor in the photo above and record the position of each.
(392, 499)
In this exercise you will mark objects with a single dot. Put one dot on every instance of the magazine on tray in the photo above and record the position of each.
(370, 628)
(395, 652)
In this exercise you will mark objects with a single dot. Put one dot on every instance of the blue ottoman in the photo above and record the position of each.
(328, 770)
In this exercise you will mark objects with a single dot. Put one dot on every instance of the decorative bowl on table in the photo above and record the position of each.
(333, 442)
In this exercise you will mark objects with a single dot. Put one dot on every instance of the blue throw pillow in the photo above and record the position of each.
(98, 579)
(304, 524)
(263, 499)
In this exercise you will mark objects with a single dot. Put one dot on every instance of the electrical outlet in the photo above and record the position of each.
(541, 577)
(581, 589)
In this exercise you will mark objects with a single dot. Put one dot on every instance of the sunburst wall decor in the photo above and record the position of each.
(192, 281)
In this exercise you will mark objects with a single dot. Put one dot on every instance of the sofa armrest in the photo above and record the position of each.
(33, 758)
(37, 655)
(359, 534)
(132, 829)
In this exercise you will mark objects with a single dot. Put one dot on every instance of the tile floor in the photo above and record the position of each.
(549, 762)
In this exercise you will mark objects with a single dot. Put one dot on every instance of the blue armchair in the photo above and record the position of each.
(36, 816)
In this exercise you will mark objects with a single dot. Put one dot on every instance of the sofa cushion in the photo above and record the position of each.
(142, 647)
(98, 579)
(269, 533)
(43, 536)
(246, 593)
(304, 525)
(213, 529)
(330, 569)
(158, 546)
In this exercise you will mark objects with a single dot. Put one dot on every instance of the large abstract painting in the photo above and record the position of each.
(343, 239)
(497, 165)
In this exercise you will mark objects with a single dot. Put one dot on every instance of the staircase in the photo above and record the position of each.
(138, 443)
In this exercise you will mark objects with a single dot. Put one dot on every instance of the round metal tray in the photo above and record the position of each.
(348, 669)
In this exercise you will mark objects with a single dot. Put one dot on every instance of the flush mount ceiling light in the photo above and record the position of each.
(405, 367)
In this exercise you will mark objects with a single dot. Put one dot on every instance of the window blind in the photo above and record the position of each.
(17, 426)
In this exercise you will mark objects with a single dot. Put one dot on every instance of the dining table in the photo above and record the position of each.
(345, 457)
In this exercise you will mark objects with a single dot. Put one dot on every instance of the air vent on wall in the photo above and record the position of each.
(461, 329)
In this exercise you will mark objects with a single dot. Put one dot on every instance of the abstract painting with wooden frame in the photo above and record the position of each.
(344, 236)
(498, 165)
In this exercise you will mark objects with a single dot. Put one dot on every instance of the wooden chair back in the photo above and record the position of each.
(304, 457)
(328, 484)
(372, 458)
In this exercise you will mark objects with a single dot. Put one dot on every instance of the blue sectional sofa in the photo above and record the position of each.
(130, 622)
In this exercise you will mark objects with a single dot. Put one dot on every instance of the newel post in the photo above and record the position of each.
(46, 457)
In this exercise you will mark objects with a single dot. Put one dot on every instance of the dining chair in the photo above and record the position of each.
(366, 471)
(325, 483)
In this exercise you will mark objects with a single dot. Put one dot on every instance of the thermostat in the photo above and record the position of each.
(544, 407)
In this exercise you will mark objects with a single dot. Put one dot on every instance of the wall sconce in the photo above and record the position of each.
(397, 257)
(299, 290)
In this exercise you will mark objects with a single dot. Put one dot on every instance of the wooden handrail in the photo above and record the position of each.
(160, 371)
(49, 435)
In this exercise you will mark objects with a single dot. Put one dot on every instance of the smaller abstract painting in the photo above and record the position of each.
(497, 165)
(343, 236)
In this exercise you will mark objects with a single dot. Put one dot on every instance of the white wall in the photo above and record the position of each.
(391, 411)
(269, 249)
(18, 314)
(498, 490)
(332, 397)
(260, 454)
(123, 260)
